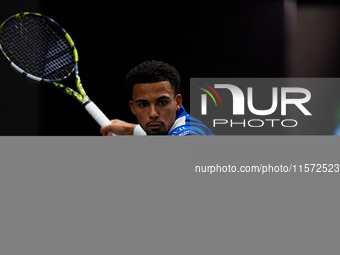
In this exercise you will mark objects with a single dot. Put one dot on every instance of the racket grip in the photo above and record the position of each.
(97, 114)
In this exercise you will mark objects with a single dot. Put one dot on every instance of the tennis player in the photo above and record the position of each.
(157, 104)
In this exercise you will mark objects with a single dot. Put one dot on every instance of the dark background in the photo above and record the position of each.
(265, 38)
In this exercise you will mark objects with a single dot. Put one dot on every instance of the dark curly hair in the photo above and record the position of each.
(153, 71)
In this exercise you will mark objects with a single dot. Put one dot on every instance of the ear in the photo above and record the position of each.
(178, 100)
(132, 108)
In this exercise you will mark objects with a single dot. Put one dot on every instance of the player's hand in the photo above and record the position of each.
(118, 127)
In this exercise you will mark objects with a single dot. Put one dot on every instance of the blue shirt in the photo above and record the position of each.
(187, 125)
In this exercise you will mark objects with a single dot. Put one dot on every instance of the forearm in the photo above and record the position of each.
(118, 127)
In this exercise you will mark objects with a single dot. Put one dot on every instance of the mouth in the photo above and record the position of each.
(155, 125)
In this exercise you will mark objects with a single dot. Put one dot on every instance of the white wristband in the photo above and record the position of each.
(138, 131)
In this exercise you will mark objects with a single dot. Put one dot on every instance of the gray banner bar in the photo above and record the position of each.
(141, 195)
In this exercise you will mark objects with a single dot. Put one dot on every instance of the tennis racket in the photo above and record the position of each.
(38, 48)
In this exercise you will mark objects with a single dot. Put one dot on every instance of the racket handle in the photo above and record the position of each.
(97, 114)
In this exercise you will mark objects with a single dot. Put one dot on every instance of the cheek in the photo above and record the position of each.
(171, 114)
(141, 115)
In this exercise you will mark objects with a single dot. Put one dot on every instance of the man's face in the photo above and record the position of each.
(155, 106)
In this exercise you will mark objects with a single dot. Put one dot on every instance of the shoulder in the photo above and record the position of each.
(188, 125)
(197, 127)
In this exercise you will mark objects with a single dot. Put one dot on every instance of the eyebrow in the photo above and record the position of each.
(158, 99)
(162, 98)
(141, 101)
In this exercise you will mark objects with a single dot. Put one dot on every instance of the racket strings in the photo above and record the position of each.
(37, 47)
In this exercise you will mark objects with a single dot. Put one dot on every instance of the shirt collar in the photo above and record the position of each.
(180, 118)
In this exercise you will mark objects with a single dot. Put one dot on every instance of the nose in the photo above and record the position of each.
(153, 114)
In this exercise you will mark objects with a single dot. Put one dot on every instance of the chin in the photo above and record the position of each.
(148, 132)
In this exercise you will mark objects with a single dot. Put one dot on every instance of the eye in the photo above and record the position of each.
(162, 102)
(142, 105)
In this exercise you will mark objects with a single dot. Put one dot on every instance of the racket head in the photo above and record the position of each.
(38, 47)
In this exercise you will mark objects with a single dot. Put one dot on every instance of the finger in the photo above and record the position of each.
(104, 130)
